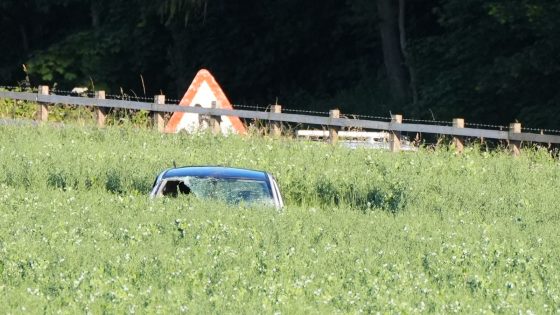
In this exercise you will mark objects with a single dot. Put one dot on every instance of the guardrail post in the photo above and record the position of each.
(395, 136)
(42, 108)
(100, 112)
(515, 145)
(333, 131)
(157, 117)
(275, 126)
(458, 141)
(215, 121)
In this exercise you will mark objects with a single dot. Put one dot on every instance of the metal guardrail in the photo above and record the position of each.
(283, 117)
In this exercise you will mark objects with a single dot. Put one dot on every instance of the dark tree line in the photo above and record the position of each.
(491, 61)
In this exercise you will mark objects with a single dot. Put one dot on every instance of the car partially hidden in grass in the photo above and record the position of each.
(232, 185)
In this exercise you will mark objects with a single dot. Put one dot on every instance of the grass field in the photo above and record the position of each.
(363, 230)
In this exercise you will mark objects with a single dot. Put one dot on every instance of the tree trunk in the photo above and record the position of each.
(24, 38)
(94, 11)
(402, 31)
(392, 53)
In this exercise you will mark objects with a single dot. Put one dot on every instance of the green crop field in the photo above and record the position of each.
(363, 230)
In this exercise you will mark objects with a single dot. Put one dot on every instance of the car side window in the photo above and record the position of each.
(173, 188)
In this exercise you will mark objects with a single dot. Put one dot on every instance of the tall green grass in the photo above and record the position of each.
(363, 230)
(126, 161)
(73, 114)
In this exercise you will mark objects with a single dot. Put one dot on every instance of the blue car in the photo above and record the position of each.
(232, 185)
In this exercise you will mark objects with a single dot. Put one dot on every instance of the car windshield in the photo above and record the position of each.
(230, 190)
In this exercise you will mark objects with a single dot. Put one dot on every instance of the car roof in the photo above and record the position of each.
(215, 171)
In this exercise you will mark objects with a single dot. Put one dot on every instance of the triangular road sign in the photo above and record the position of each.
(202, 92)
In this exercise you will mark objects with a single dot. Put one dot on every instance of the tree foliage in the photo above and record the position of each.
(488, 61)
(493, 59)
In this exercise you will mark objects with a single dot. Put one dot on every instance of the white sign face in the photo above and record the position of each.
(202, 92)
(191, 122)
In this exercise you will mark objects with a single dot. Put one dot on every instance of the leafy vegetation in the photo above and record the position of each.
(491, 61)
(363, 230)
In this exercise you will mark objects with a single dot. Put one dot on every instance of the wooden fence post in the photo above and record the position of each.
(215, 121)
(100, 112)
(395, 136)
(42, 108)
(333, 131)
(458, 141)
(157, 117)
(275, 126)
(514, 145)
